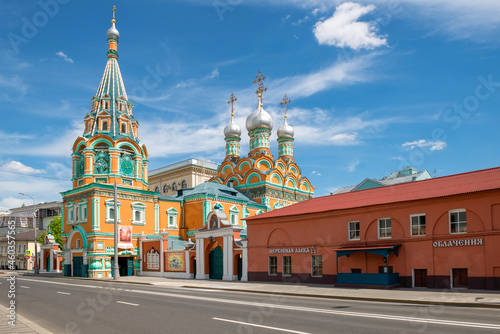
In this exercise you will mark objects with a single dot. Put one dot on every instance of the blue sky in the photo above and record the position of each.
(375, 85)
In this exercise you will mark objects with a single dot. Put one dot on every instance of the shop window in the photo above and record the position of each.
(384, 228)
(317, 266)
(353, 230)
(273, 266)
(287, 266)
(458, 221)
(417, 224)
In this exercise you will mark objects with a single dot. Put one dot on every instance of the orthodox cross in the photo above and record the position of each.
(232, 100)
(285, 101)
(261, 87)
(114, 8)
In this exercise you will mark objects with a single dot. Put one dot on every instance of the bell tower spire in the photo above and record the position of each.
(109, 148)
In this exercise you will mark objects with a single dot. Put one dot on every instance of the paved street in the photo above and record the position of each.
(79, 306)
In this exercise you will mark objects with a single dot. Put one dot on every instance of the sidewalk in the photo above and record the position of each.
(468, 298)
(23, 325)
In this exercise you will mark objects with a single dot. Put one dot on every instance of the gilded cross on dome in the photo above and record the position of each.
(261, 87)
(114, 8)
(232, 100)
(285, 101)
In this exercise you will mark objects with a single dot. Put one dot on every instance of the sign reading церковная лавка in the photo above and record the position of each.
(289, 250)
(458, 243)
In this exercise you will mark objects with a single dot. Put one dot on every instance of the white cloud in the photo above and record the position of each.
(431, 145)
(192, 82)
(64, 56)
(343, 29)
(351, 168)
(13, 88)
(316, 173)
(15, 166)
(352, 71)
(344, 139)
(54, 143)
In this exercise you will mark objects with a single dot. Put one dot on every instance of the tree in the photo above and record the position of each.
(55, 229)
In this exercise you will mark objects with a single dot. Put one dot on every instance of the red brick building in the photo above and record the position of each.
(436, 233)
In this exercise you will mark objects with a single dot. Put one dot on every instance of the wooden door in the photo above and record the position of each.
(460, 278)
(420, 276)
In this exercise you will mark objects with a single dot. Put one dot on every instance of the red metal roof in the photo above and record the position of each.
(480, 180)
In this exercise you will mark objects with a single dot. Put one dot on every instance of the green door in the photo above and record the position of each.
(77, 266)
(130, 266)
(215, 263)
(48, 263)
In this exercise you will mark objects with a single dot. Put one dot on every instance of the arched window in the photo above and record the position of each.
(174, 186)
(157, 189)
(165, 188)
(124, 128)
(184, 184)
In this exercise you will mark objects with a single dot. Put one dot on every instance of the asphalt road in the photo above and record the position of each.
(74, 306)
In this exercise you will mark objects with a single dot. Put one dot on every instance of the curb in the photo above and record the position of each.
(28, 323)
(372, 299)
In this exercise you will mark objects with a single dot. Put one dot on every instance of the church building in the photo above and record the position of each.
(156, 232)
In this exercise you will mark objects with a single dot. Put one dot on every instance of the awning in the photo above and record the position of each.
(378, 250)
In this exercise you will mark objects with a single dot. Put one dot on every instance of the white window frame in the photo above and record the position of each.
(418, 215)
(457, 211)
(313, 265)
(349, 230)
(287, 273)
(385, 228)
(110, 205)
(172, 217)
(275, 266)
(78, 243)
(140, 208)
(153, 259)
(234, 215)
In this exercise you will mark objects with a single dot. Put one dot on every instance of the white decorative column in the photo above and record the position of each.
(163, 237)
(228, 258)
(200, 260)
(244, 269)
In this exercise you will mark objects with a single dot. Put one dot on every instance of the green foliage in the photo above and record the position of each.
(55, 230)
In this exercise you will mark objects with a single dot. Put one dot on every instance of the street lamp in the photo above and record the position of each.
(116, 268)
(36, 232)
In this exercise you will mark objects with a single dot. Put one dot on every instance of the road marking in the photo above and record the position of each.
(132, 304)
(261, 326)
(297, 308)
(26, 287)
(63, 293)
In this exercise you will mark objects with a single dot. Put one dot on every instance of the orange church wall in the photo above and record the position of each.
(438, 252)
